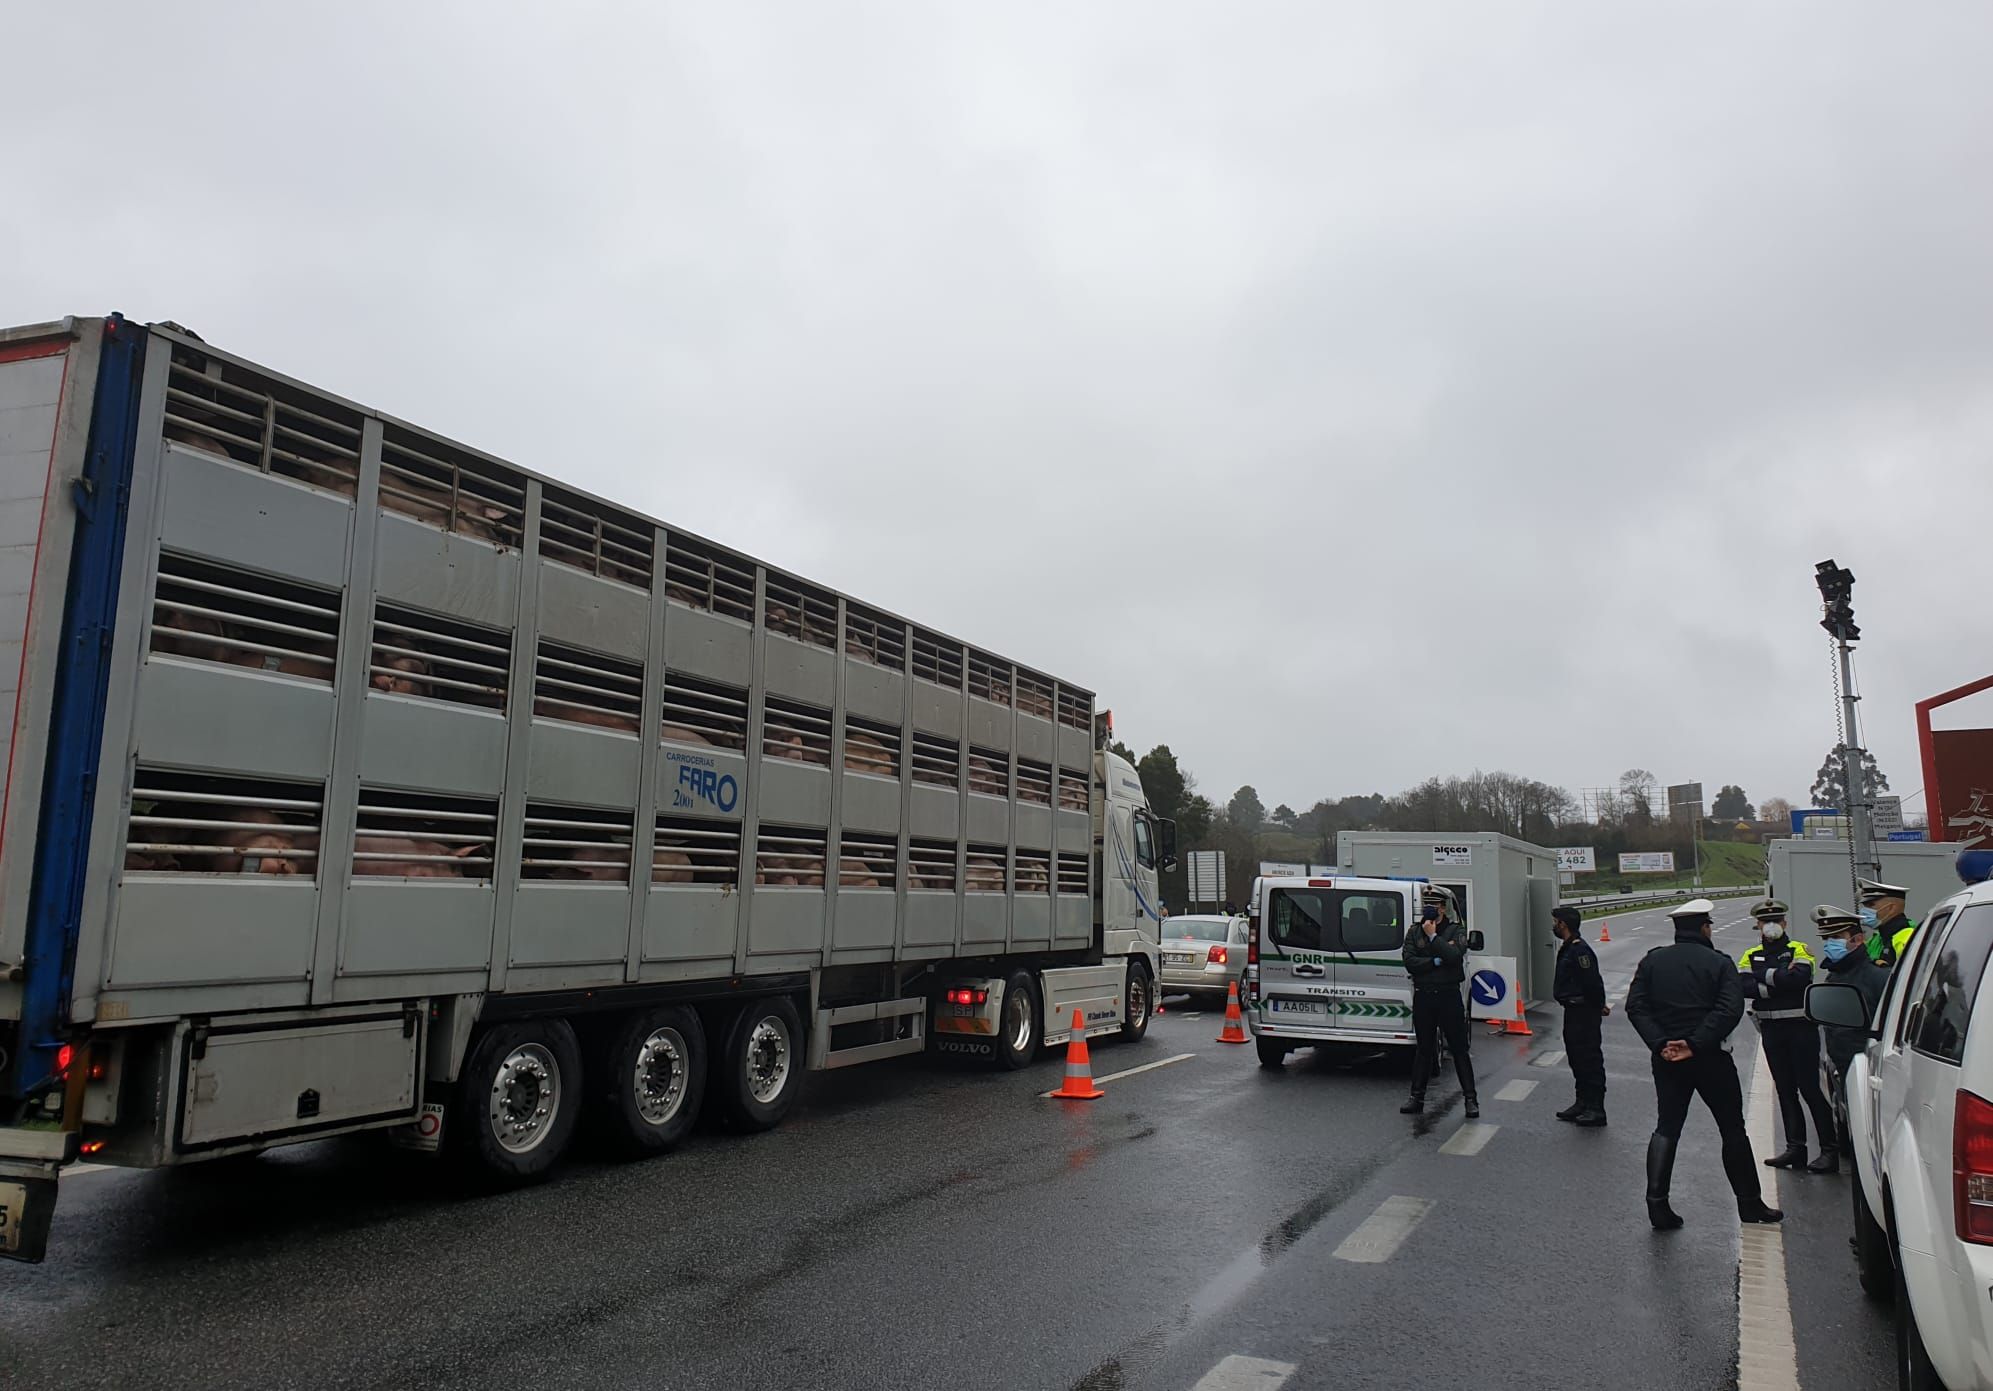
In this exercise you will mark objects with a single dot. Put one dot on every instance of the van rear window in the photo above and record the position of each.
(1337, 919)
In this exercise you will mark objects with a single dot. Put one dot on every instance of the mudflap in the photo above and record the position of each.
(27, 1208)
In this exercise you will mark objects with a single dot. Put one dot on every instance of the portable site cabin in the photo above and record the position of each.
(1505, 888)
(1808, 872)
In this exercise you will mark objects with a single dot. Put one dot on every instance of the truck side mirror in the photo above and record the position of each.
(1166, 843)
(1475, 939)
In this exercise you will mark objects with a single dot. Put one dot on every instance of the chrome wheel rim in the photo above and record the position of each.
(767, 1060)
(1138, 1000)
(525, 1098)
(657, 1081)
(1017, 1020)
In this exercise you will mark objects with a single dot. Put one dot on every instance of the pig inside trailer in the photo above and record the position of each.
(360, 780)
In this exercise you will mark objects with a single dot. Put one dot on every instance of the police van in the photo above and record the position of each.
(1325, 965)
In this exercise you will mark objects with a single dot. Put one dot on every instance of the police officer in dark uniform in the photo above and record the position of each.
(1435, 954)
(1776, 971)
(1685, 1001)
(1844, 945)
(1582, 994)
(1883, 917)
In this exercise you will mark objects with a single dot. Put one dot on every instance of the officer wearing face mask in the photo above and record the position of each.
(1776, 971)
(1845, 945)
(1887, 925)
(1581, 992)
(1434, 955)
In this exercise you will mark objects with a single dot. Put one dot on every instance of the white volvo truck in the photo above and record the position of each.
(359, 780)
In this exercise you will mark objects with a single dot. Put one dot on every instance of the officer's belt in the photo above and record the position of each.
(1778, 1013)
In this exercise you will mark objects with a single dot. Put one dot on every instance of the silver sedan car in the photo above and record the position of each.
(1202, 954)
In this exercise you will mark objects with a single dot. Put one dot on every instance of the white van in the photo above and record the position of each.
(1325, 964)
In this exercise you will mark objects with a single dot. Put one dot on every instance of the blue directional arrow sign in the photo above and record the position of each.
(1489, 987)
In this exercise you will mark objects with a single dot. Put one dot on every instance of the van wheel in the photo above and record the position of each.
(650, 1079)
(515, 1105)
(1271, 1054)
(1914, 1371)
(762, 1065)
(1872, 1262)
(1140, 1001)
(1019, 1032)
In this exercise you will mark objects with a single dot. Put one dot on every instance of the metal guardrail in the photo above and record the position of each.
(1664, 896)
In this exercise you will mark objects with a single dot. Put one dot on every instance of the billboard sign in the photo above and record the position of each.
(1647, 862)
(1684, 800)
(1207, 876)
(1887, 815)
(1576, 859)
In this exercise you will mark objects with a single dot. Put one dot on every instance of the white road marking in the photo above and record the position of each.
(1384, 1231)
(1766, 1359)
(1517, 1090)
(75, 1170)
(1550, 1059)
(1238, 1373)
(1131, 1071)
(1471, 1138)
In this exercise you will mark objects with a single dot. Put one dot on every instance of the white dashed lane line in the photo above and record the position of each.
(1238, 1373)
(1554, 1058)
(1470, 1139)
(1384, 1231)
(1517, 1090)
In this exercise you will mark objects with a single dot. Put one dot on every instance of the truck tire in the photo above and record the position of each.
(1272, 1055)
(1873, 1265)
(1020, 1031)
(650, 1079)
(1139, 1002)
(760, 1068)
(515, 1105)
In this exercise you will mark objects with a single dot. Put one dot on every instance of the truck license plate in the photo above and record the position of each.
(1300, 1007)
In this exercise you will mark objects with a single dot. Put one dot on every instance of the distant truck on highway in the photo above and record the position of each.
(358, 780)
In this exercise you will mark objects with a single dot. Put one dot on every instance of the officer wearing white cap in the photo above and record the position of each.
(1776, 971)
(1685, 1000)
(1843, 943)
(1889, 928)
(1435, 954)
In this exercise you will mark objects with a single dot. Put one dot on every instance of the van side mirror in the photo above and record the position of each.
(1166, 843)
(1476, 939)
(1839, 1006)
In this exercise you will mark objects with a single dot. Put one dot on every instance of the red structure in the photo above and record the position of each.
(1958, 772)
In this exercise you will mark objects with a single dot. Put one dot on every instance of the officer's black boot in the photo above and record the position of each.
(1791, 1157)
(1743, 1175)
(1573, 1111)
(1593, 1116)
(1463, 1068)
(1660, 1172)
(1415, 1104)
(1829, 1161)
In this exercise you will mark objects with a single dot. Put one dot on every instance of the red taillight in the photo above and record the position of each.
(92, 1146)
(1321, 883)
(968, 997)
(1972, 1169)
(64, 1056)
(1252, 945)
(1216, 956)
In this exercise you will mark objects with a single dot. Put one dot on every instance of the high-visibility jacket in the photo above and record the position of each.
(1886, 942)
(1775, 979)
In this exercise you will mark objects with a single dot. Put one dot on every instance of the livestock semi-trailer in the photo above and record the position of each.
(358, 780)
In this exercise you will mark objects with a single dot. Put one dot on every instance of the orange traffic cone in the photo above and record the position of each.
(1519, 1024)
(1078, 1085)
(1605, 930)
(1235, 1024)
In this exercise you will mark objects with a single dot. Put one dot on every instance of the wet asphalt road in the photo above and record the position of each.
(916, 1225)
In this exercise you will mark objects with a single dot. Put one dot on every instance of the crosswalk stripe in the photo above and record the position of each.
(1384, 1231)
(1550, 1059)
(1237, 1373)
(1471, 1138)
(1517, 1090)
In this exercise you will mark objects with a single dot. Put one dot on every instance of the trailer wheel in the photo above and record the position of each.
(651, 1078)
(761, 1067)
(515, 1105)
(1140, 1000)
(1020, 1033)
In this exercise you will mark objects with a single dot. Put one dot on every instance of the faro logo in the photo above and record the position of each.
(708, 785)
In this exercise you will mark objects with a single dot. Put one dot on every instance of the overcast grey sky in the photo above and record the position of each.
(1230, 359)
